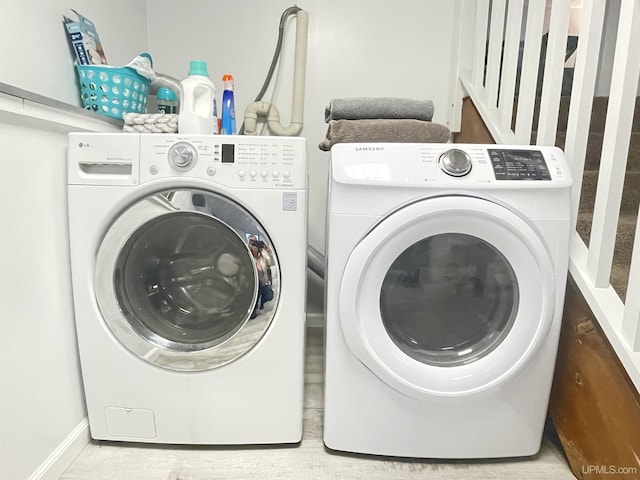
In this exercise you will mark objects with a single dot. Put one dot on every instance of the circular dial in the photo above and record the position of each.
(183, 156)
(455, 162)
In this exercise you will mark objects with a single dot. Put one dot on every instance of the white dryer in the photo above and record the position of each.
(446, 272)
(180, 341)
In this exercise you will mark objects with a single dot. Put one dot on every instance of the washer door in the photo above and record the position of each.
(447, 296)
(180, 279)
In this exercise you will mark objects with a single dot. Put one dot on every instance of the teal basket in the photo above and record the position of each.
(112, 91)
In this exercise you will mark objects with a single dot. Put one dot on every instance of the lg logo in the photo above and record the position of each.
(83, 145)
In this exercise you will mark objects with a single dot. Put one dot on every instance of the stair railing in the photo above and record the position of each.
(516, 94)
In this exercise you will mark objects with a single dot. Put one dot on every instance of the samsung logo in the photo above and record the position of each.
(369, 149)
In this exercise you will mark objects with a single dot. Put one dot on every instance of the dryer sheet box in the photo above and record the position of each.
(84, 39)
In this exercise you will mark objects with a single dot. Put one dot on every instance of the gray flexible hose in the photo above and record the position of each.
(276, 55)
(315, 261)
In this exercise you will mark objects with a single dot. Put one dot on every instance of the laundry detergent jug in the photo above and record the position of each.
(198, 113)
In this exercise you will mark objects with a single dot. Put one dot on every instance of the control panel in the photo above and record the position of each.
(518, 164)
(236, 161)
(449, 164)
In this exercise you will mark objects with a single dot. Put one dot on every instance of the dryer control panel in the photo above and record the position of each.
(450, 165)
(509, 164)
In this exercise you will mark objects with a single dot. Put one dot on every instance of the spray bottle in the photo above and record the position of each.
(228, 107)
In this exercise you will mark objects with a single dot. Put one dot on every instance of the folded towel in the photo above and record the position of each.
(357, 108)
(386, 130)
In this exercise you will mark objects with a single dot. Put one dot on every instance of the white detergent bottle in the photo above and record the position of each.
(198, 113)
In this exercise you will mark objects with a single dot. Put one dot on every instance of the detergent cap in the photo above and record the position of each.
(198, 67)
(166, 94)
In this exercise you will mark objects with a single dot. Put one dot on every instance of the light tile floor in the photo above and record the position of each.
(307, 461)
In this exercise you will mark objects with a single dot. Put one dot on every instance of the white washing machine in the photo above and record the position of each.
(446, 272)
(189, 270)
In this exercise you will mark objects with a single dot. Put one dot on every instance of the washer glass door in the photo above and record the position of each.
(447, 296)
(183, 277)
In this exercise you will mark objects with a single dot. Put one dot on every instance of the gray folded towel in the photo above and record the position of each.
(357, 108)
(385, 130)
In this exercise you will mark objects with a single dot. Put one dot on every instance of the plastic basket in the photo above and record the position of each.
(112, 91)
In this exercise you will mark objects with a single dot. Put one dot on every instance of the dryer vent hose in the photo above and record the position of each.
(261, 108)
(315, 261)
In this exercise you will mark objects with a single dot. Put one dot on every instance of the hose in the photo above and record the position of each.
(276, 55)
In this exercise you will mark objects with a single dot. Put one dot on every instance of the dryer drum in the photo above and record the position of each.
(449, 299)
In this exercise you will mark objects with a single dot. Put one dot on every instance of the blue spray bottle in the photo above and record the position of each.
(228, 107)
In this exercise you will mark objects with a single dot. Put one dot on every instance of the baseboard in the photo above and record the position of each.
(64, 454)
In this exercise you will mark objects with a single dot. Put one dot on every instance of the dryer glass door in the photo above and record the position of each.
(449, 299)
(181, 277)
(447, 296)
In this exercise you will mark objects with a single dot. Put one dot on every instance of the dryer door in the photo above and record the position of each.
(181, 277)
(447, 296)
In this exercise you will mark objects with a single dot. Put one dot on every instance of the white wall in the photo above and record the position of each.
(356, 48)
(41, 399)
(34, 52)
(607, 48)
(42, 412)
(41, 396)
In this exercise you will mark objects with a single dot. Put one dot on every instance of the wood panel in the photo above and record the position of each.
(473, 129)
(594, 406)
